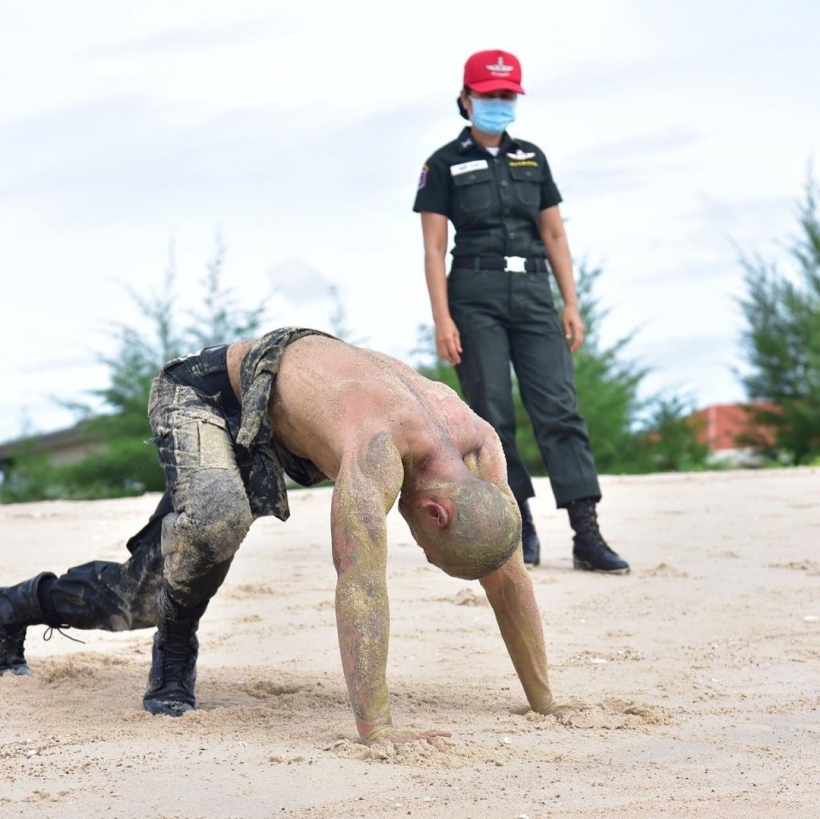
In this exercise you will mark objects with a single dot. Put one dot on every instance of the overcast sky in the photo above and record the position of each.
(676, 133)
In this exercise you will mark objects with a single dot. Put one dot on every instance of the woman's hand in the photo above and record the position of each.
(573, 328)
(448, 341)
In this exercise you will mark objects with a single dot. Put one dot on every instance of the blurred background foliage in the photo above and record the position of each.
(631, 433)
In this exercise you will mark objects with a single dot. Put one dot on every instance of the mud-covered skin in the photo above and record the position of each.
(380, 429)
(330, 396)
(364, 419)
(512, 598)
(360, 503)
(254, 369)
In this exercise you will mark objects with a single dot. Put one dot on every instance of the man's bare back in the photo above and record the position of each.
(331, 397)
(384, 434)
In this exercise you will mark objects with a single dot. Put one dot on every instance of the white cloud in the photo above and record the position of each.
(300, 282)
(672, 131)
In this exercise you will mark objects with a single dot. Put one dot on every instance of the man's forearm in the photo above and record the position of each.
(367, 485)
(363, 623)
(511, 595)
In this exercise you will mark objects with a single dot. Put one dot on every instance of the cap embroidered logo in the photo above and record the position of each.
(499, 68)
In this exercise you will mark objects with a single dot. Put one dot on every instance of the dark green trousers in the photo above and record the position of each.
(510, 318)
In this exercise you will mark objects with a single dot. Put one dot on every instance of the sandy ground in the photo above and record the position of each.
(698, 675)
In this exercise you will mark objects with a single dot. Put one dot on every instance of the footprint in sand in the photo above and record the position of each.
(262, 689)
(611, 714)
(664, 570)
(811, 567)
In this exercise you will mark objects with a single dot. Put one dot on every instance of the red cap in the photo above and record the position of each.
(493, 71)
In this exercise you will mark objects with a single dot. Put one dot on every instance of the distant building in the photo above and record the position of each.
(732, 434)
(64, 446)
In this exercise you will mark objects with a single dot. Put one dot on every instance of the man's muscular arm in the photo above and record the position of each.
(511, 595)
(367, 485)
(510, 592)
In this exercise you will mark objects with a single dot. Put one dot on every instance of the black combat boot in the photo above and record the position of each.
(19, 608)
(590, 551)
(173, 661)
(529, 537)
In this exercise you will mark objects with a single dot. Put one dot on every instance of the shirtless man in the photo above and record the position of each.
(228, 423)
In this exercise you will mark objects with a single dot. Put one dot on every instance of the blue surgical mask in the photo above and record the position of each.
(492, 115)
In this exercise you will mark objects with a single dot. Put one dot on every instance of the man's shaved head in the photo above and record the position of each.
(468, 528)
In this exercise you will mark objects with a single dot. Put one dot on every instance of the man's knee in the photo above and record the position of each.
(212, 524)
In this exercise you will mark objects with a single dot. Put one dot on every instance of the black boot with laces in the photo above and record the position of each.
(529, 537)
(12, 656)
(173, 663)
(19, 608)
(590, 551)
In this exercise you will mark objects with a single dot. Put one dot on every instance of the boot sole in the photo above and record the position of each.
(588, 567)
(168, 708)
(19, 670)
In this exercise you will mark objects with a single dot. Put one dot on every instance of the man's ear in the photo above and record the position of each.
(439, 514)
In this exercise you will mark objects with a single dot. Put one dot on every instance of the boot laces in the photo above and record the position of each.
(49, 633)
(591, 531)
(178, 655)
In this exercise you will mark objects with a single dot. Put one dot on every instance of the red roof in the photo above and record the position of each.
(733, 426)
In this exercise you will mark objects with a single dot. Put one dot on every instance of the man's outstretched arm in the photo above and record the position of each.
(510, 592)
(367, 485)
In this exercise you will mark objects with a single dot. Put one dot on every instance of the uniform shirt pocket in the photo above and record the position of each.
(473, 190)
(527, 184)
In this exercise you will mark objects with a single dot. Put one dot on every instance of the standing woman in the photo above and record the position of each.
(496, 307)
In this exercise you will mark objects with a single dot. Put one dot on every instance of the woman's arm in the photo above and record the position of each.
(434, 230)
(555, 241)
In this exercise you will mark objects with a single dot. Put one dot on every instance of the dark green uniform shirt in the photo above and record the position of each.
(493, 202)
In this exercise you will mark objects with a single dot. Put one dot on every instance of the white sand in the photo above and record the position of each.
(699, 673)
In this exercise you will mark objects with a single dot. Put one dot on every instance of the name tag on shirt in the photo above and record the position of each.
(468, 167)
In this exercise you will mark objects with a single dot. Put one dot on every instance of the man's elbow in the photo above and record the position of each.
(511, 574)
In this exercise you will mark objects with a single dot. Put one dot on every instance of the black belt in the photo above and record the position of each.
(207, 371)
(215, 359)
(510, 264)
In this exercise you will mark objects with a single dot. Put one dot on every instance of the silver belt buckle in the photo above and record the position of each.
(515, 264)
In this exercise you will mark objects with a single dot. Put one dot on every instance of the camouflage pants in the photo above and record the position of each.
(203, 517)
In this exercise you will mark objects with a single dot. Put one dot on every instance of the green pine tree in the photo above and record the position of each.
(781, 339)
(628, 434)
(120, 463)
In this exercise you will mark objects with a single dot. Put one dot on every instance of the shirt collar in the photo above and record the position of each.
(466, 142)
